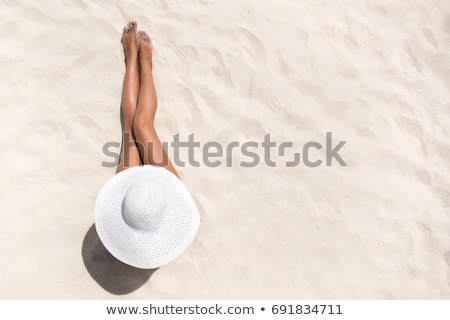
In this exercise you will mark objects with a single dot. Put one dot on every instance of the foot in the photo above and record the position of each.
(145, 47)
(129, 41)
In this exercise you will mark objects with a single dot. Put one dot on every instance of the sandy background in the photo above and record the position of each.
(375, 73)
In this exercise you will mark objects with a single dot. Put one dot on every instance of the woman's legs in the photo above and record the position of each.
(129, 154)
(147, 140)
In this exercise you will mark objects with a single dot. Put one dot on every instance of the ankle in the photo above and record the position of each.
(146, 62)
(131, 58)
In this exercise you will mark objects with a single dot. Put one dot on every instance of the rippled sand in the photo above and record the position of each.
(374, 73)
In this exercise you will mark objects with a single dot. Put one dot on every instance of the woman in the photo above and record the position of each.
(141, 144)
(144, 215)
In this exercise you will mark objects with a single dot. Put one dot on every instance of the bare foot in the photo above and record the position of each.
(145, 47)
(129, 41)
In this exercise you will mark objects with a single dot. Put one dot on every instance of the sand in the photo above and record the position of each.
(375, 74)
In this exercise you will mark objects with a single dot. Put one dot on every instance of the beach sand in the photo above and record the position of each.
(375, 74)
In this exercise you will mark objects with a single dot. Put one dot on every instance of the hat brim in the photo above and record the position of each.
(146, 250)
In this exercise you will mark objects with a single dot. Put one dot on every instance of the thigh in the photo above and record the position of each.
(129, 154)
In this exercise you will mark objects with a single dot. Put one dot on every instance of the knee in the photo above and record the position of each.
(141, 123)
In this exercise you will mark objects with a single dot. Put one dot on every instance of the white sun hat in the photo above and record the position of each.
(145, 216)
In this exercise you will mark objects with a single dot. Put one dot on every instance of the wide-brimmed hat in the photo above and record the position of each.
(145, 216)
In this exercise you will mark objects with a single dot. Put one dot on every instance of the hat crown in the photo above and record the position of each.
(145, 205)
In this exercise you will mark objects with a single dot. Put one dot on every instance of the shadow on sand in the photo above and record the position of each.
(111, 274)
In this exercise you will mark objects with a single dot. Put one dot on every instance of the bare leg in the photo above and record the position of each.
(149, 144)
(129, 155)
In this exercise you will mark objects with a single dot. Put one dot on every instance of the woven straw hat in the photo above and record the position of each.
(145, 216)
